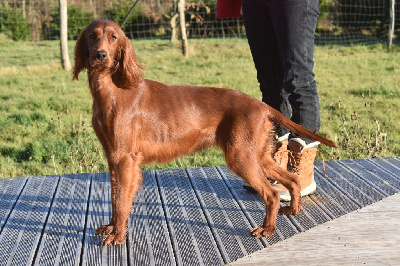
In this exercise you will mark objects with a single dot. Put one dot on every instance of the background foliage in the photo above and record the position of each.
(45, 117)
(38, 19)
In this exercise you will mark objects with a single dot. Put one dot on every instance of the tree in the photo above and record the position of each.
(64, 35)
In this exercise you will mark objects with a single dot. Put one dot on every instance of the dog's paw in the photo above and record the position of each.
(262, 231)
(288, 210)
(114, 238)
(105, 230)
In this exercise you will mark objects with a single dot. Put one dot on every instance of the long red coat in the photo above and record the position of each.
(229, 8)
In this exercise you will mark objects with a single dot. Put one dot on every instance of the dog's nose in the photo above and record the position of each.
(101, 55)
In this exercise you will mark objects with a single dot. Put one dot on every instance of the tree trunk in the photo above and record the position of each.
(391, 24)
(64, 35)
(182, 22)
(23, 9)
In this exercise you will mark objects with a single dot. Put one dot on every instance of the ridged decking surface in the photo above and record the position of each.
(198, 216)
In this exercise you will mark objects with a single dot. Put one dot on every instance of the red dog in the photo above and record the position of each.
(140, 121)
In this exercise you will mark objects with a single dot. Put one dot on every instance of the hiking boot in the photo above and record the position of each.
(301, 162)
(281, 154)
(280, 157)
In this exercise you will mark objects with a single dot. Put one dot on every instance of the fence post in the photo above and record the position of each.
(391, 24)
(66, 63)
(182, 22)
(174, 38)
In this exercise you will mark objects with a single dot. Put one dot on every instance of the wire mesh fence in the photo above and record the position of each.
(340, 22)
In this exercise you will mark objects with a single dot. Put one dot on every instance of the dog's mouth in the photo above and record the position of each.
(111, 65)
(98, 63)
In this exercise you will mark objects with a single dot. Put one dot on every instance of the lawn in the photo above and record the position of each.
(45, 116)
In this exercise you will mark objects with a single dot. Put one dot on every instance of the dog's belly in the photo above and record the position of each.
(167, 148)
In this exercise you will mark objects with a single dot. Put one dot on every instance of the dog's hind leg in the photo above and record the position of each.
(245, 165)
(271, 200)
(273, 171)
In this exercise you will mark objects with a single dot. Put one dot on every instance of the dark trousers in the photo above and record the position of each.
(281, 39)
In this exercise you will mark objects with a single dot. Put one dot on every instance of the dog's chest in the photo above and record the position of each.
(103, 118)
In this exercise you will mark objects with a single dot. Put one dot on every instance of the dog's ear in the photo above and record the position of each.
(128, 72)
(81, 54)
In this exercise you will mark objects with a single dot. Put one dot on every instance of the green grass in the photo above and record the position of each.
(45, 117)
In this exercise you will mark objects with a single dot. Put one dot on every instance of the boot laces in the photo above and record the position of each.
(300, 162)
(280, 153)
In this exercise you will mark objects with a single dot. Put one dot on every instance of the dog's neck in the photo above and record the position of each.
(99, 79)
(101, 86)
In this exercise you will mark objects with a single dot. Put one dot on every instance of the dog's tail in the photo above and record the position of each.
(279, 118)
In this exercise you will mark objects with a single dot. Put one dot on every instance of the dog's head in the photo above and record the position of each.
(104, 46)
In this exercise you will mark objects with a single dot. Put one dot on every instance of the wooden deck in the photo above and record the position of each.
(202, 216)
(369, 236)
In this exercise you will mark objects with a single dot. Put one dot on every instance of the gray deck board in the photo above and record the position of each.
(200, 216)
(23, 230)
(10, 190)
(186, 222)
(99, 213)
(61, 242)
(149, 239)
(229, 225)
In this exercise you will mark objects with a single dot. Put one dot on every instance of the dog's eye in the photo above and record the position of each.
(113, 38)
(93, 35)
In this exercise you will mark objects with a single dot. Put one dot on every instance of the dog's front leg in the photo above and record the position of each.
(109, 228)
(128, 179)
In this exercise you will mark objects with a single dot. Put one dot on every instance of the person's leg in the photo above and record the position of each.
(264, 48)
(294, 23)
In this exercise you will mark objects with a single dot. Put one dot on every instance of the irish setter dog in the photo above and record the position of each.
(139, 121)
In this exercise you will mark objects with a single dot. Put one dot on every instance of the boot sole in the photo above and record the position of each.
(285, 195)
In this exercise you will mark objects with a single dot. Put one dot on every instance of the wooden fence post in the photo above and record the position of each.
(66, 63)
(391, 24)
(182, 22)
(174, 37)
